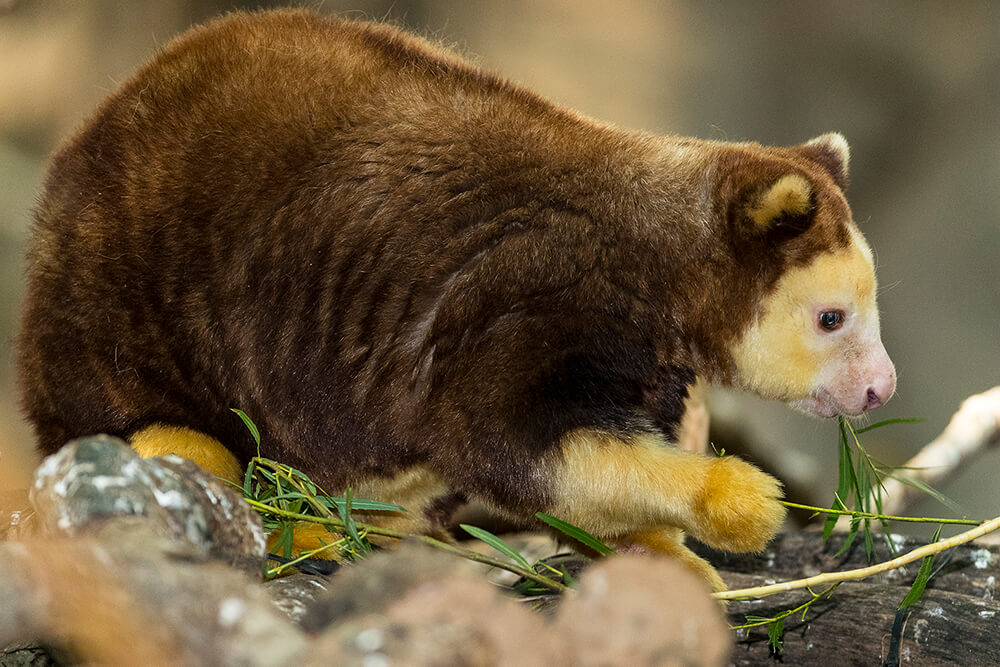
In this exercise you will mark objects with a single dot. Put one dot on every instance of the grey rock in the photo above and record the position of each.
(295, 593)
(96, 478)
(22, 605)
(377, 581)
(643, 610)
(427, 613)
(31, 655)
(131, 603)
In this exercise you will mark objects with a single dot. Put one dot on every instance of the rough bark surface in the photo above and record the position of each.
(955, 622)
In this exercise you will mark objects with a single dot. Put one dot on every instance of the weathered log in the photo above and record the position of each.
(955, 622)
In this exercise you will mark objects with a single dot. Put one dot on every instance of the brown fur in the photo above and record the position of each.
(389, 258)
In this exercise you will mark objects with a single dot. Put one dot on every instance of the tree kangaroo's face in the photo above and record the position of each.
(816, 342)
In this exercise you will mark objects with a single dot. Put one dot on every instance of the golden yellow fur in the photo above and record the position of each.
(782, 332)
(670, 542)
(207, 452)
(414, 488)
(617, 489)
(788, 196)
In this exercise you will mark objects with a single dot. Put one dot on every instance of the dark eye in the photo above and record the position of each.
(831, 320)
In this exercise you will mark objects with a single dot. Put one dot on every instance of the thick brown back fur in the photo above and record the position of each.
(386, 257)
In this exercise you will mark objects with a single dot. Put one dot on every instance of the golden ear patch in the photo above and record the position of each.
(789, 195)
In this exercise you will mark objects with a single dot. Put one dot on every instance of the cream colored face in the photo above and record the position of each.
(816, 342)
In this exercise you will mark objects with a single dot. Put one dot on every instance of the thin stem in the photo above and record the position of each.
(872, 515)
(864, 572)
(275, 571)
(387, 532)
(827, 592)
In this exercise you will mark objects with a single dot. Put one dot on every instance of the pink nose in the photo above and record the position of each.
(880, 391)
(874, 400)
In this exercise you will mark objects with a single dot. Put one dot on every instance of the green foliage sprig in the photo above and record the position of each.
(776, 624)
(284, 496)
(860, 477)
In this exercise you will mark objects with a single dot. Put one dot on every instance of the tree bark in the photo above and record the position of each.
(955, 622)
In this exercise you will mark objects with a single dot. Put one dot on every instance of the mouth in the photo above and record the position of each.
(821, 404)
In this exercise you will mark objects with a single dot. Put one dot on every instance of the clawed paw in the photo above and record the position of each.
(737, 509)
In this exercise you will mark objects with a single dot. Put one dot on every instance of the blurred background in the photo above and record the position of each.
(915, 88)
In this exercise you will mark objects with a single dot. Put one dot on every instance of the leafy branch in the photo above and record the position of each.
(880, 517)
(400, 535)
(864, 572)
(860, 476)
(776, 624)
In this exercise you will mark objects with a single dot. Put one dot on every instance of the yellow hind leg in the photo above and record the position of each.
(206, 451)
(210, 454)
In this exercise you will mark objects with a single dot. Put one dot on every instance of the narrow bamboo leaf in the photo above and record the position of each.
(869, 542)
(862, 486)
(917, 589)
(775, 632)
(851, 534)
(275, 494)
(292, 472)
(249, 424)
(248, 480)
(567, 578)
(284, 542)
(360, 505)
(937, 495)
(345, 515)
(845, 468)
(886, 422)
(831, 519)
(497, 543)
(923, 576)
(578, 534)
(845, 464)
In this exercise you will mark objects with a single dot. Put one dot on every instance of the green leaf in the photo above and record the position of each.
(851, 534)
(846, 472)
(775, 632)
(248, 480)
(284, 541)
(249, 424)
(497, 543)
(923, 576)
(886, 422)
(345, 516)
(869, 542)
(578, 534)
(917, 589)
(831, 519)
(830, 523)
(361, 505)
(934, 493)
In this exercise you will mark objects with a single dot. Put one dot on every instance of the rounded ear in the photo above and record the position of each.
(783, 207)
(831, 152)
